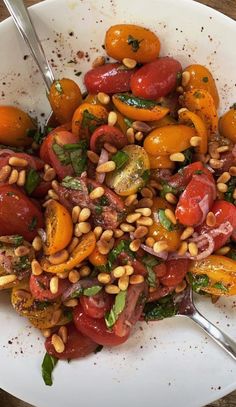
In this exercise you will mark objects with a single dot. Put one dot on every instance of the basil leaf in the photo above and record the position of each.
(198, 281)
(164, 221)
(32, 181)
(61, 154)
(91, 122)
(119, 305)
(134, 101)
(58, 87)
(72, 183)
(22, 264)
(128, 122)
(33, 224)
(220, 286)
(151, 279)
(188, 154)
(77, 293)
(39, 134)
(163, 308)
(166, 188)
(149, 262)
(49, 363)
(120, 158)
(228, 196)
(134, 42)
(145, 176)
(123, 246)
(91, 291)
(205, 79)
(17, 240)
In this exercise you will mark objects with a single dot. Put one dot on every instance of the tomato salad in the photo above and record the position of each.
(131, 198)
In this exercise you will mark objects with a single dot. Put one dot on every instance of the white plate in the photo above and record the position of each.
(169, 363)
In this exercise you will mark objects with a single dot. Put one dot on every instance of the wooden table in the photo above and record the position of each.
(227, 7)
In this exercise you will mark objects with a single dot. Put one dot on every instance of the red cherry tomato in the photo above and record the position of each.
(156, 79)
(40, 287)
(33, 162)
(224, 212)
(183, 177)
(107, 134)
(108, 78)
(97, 305)
(176, 271)
(96, 329)
(196, 200)
(19, 215)
(47, 153)
(77, 345)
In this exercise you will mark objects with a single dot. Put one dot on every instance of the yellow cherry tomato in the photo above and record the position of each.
(227, 124)
(15, 126)
(160, 161)
(87, 118)
(200, 127)
(165, 121)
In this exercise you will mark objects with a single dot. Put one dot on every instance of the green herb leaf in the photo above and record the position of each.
(233, 106)
(32, 181)
(98, 209)
(98, 349)
(120, 158)
(112, 316)
(151, 279)
(199, 172)
(91, 291)
(165, 222)
(22, 264)
(179, 79)
(134, 42)
(79, 161)
(49, 363)
(220, 286)
(128, 122)
(166, 188)
(77, 293)
(205, 79)
(149, 262)
(123, 246)
(230, 191)
(72, 183)
(145, 176)
(188, 154)
(198, 95)
(62, 156)
(90, 121)
(198, 281)
(33, 224)
(134, 101)
(17, 240)
(39, 134)
(163, 308)
(59, 87)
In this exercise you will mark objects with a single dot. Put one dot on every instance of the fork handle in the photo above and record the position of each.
(24, 24)
(215, 333)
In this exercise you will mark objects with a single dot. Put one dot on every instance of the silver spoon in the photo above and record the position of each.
(185, 307)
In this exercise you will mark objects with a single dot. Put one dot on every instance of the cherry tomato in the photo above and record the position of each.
(227, 125)
(14, 127)
(107, 134)
(97, 305)
(19, 215)
(87, 118)
(176, 271)
(183, 177)
(156, 79)
(196, 201)
(160, 161)
(108, 78)
(77, 345)
(40, 287)
(228, 160)
(224, 212)
(96, 329)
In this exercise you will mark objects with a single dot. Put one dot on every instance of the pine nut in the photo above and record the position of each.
(97, 231)
(46, 167)
(5, 172)
(118, 272)
(99, 61)
(4, 280)
(138, 136)
(150, 241)
(136, 279)
(84, 271)
(193, 249)
(36, 268)
(55, 185)
(222, 149)
(63, 333)
(126, 227)
(222, 187)
(21, 178)
(160, 246)
(59, 257)
(145, 203)
(74, 276)
(13, 177)
(103, 247)
(53, 195)
(129, 63)
(179, 89)
(112, 289)
(54, 284)
(171, 216)
(84, 214)
(37, 243)
(129, 270)
(144, 211)
(75, 213)
(111, 149)
(210, 219)
(234, 194)
(103, 98)
(104, 278)
(49, 175)
(225, 177)
(215, 164)
(71, 303)
(132, 217)
(46, 333)
(21, 251)
(118, 233)
(106, 167)
(171, 198)
(92, 156)
(56, 317)
(130, 135)
(152, 289)
(178, 157)
(181, 287)
(223, 250)
(185, 78)
(146, 193)
(18, 162)
(232, 171)
(183, 248)
(135, 245)
(187, 233)
(140, 232)
(96, 193)
(58, 343)
(112, 119)
(130, 199)
(77, 231)
(141, 126)
(84, 227)
(195, 141)
(107, 235)
(63, 275)
(145, 221)
(212, 148)
(123, 283)
(155, 184)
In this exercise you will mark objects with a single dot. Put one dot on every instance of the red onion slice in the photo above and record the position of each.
(162, 255)
(104, 157)
(6, 151)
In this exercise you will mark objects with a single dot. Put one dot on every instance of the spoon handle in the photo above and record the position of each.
(215, 333)
(24, 24)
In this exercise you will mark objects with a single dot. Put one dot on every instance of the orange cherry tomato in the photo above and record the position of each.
(64, 97)
(97, 259)
(201, 78)
(92, 99)
(14, 127)
(200, 101)
(59, 228)
(85, 247)
(165, 121)
(160, 161)
(87, 118)
(227, 124)
(158, 231)
(132, 41)
(169, 139)
(200, 127)
(138, 109)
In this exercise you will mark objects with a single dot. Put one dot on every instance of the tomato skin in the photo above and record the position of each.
(176, 271)
(95, 329)
(156, 79)
(77, 345)
(97, 305)
(182, 178)
(33, 162)
(17, 213)
(108, 78)
(14, 126)
(40, 287)
(107, 134)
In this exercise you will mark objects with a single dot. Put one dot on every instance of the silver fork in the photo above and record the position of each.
(185, 307)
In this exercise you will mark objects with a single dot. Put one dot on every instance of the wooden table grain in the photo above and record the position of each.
(227, 7)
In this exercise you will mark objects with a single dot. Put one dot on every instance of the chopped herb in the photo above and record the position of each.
(74, 154)
(166, 188)
(78, 73)
(205, 79)
(58, 87)
(198, 281)
(17, 240)
(134, 101)
(163, 308)
(112, 316)
(32, 181)
(41, 305)
(77, 293)
(91, 291)
(98, 209)
(49, 363)
(72, 183)
(233, 106)
(134, 42)
(33, 224)
(188, 154)
(198, 95)
(98, 349)
(149, 262)
(11, 193)
(232, 254)
(67, 313)
(179, 79)
(230, 191)
(220, 286)
(90, 121)
(62, 156)
(122, 247)
(22, 264)
(198, 172)
(128, 122)
(120, 158)
(38, 135)
(164, 221)
(103, 201)
(145, 176)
